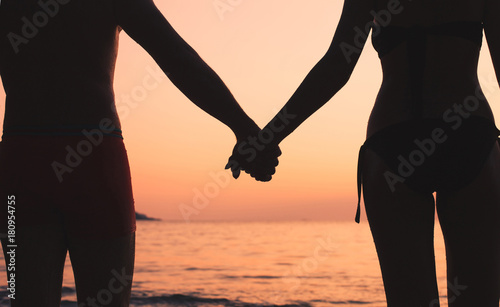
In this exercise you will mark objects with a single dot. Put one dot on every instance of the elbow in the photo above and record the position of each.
(338, 78)
(337, 70)
(343, 78)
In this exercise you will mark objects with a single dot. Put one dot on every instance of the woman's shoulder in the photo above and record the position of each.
(429, 12)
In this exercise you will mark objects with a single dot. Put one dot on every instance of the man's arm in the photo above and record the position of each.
(184, 67)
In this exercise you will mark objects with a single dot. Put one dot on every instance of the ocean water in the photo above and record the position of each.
(253, 264)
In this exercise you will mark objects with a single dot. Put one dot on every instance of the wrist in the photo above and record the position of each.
(271, 136)
(245, 129)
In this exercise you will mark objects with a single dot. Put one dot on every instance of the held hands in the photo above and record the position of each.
(255, 156)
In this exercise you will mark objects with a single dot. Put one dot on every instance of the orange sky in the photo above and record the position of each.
(262, 50)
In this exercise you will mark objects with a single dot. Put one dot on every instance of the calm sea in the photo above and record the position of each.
(253, 264)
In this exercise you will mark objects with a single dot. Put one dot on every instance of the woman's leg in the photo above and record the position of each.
(402, 225)
(39, 264)
(470, 220)
(103, 270)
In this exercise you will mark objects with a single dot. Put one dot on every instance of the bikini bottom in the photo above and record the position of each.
(79, 183)
(431, 155)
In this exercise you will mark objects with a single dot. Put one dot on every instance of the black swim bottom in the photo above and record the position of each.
(431, 155)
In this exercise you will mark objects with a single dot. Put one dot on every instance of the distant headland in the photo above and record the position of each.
(144, 217)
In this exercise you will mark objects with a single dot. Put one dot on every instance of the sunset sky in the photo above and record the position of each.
(262, 50)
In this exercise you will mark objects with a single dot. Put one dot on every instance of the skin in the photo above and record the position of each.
(64, 76)
(402, 222)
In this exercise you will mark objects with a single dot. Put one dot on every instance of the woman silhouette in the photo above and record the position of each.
(62, 158)
(431, 130)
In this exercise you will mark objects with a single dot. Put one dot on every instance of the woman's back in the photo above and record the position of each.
(428, 63)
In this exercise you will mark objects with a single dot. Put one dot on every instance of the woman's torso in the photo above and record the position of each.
(57, 60)
(449, 70)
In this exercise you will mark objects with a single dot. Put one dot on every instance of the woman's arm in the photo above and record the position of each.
(144, 23)
(492, 32)
(331, 73)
